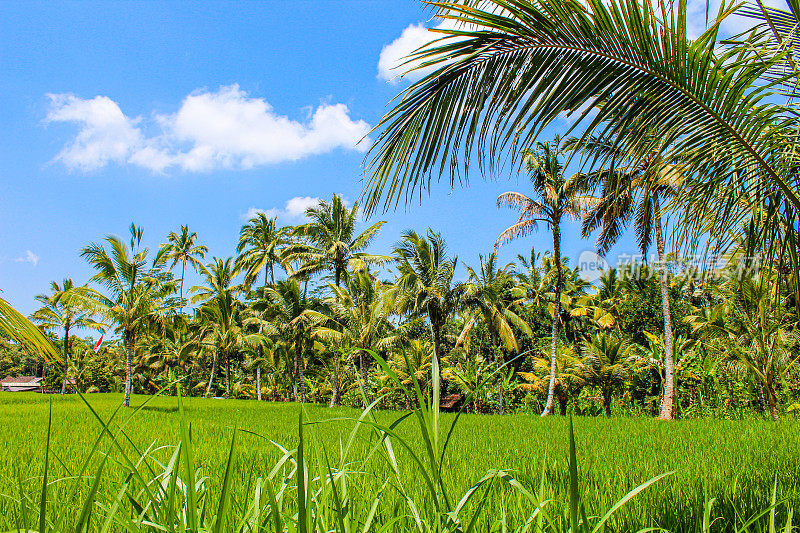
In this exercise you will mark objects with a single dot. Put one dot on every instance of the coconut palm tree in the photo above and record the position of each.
(288, 310)
(754, 327)
(62, 310)
(607, 361)
(629, 73)
(555, 197)
(261, 244)
(221, 311)
(182, 248)
(330, 243)
(571, 375)
(634, 189)
(489, 298)
(425, 284)
(134, 292)
(356, 316)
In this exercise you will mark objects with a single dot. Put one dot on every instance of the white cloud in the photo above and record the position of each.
(29, 257)
(211, 130)
(391, 61)
(106, 134)
(293, 211)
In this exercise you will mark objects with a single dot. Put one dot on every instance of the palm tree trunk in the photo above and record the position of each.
(607, 402)
(335, 385)
(211, 378)
(335, 380)
(551, 389)
(499, 357)
(436, 332)
(130, 346)
(183, 275)
(227, 374)
(66, 359)
(668, 399)
(258, 371)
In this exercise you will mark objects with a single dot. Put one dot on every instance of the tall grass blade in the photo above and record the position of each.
(574, 495)
(43, 498)
(188, 467)
(224, 497)
(301, 478)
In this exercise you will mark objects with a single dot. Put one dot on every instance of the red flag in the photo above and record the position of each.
(98, 343)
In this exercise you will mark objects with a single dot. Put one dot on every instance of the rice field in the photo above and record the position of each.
(737, 463)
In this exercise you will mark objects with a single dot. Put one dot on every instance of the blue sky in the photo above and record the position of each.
(174, 113)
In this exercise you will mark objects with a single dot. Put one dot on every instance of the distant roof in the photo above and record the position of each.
(19, 379)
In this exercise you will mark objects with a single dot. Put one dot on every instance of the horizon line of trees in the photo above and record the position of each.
(531, 334)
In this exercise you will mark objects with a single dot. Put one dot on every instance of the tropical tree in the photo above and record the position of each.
(221, 311)
(570, 377)
(261, 244)
(489, 297)
(134, 292)
(356, 317)
(330, 243)
(633, 75)
(607, 362)
(555, 197)
(62, 310)
(182, 248)
(753, 326)
(635, 188)
(425, 284)
(288, 310)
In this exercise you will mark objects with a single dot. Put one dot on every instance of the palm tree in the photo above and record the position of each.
(754, 327)
(571, 375)
(289, 309)
(488, 295)
(330, 243)
(63, 310)
(607, 363)
(425, 285)
(261, 243)
(221, 311)
(181, 248)
(135, 293)
(555, 197)
(357, 317)
(634, 188)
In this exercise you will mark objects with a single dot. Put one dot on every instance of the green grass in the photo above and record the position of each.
(736, 462)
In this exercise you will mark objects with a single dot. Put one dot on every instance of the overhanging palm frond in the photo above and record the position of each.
(520, 64)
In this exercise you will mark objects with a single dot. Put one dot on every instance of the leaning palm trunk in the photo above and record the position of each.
(551, 389)
(130, 346)
(258, 383)
(668, 399)
(211, 377)
(66, 360)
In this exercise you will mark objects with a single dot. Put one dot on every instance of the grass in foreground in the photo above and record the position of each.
(507, 473)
